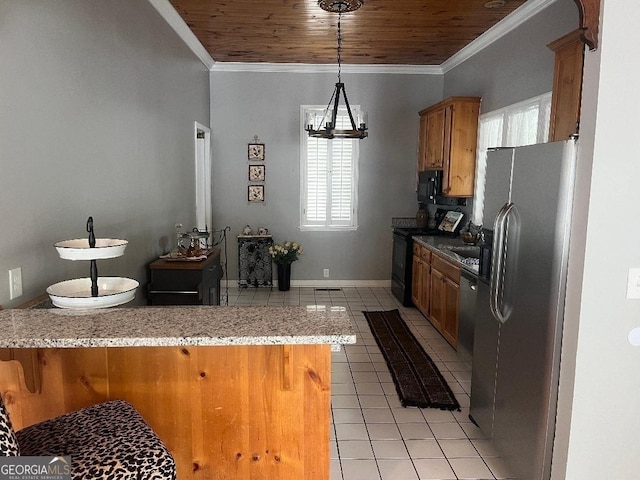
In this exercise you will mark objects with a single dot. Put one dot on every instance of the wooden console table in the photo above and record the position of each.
(185, 283)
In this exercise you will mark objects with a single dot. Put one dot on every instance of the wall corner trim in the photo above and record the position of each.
(175, 21)
(511, 22)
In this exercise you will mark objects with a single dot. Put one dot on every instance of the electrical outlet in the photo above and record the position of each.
(15, 283)
(633, 283)
(325, 273)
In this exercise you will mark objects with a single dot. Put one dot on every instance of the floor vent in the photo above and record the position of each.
(327, 289)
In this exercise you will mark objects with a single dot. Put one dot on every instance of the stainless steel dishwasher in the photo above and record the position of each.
(466, 314)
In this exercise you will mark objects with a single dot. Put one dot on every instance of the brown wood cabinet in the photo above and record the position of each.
(448, 139)
(567, 86)
(435, 291)
(421, 284)
(422, 144)
(445, 291)
(435, 147)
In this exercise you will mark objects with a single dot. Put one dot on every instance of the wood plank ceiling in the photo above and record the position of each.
(390, 32)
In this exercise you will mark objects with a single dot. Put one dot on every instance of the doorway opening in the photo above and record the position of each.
(203, 176)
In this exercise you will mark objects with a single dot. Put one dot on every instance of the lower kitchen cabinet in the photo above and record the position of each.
(420, 288)
(436, 309)
(435, 291)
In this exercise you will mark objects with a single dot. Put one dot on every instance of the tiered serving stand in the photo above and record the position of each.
(94, 291)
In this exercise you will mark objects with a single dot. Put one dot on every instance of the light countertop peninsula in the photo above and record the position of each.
(175, 326)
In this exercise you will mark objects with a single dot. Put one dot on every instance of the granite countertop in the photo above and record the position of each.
(175, 326)
(444, 245)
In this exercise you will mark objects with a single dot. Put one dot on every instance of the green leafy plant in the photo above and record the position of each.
(286, 252)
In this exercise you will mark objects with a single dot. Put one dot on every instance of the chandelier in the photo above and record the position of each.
(326, 127)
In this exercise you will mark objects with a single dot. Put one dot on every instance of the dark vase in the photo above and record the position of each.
(284, 276)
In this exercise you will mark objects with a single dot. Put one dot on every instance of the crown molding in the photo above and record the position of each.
(506, 25)
(175, 21)
(324, 68)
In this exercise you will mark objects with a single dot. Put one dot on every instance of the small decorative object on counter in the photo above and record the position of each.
(247, 230)
(284, 255)
(263, 231)
(93, 291)
(421, 216)
(470, 234)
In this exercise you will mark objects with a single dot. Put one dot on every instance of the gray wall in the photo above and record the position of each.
(517, 66)
(600, 385)
(268, 105)
(98, 101)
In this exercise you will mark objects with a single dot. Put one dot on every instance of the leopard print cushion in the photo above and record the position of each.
(106, 441)
(8, 442)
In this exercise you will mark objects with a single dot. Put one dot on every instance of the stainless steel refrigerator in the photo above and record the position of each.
(520, 303)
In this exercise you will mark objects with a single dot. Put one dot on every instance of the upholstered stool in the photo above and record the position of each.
(108, 440)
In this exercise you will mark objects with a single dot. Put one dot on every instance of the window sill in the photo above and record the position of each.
(324, 228)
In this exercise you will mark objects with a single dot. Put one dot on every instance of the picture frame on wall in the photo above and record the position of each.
(255, 193)
(257, 173)
(256, 152)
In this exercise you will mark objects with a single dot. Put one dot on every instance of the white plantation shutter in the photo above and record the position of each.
(523, 123)
(317, 191)
(329, 179)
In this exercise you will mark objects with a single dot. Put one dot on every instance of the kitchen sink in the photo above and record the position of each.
(469, 251)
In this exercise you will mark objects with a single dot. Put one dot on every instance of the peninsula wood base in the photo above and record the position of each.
(225, 412)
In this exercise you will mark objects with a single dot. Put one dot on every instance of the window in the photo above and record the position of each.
(523, 123)
(328, 177)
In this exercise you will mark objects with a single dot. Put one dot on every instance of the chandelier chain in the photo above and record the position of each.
(339, 47)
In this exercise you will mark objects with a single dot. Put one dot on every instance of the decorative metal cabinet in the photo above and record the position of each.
(185, 283)
(254, 261)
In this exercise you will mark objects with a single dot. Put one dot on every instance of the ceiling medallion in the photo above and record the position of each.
(340, 6)
(495, 4)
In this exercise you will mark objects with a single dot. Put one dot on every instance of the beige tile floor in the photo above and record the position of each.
(372, 436)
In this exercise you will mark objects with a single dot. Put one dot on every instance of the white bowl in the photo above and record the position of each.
(79, 249)
(76, 293)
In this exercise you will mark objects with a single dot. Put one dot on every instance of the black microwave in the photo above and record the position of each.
(429, 186)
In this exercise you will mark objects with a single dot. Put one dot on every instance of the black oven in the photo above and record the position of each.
(402, 261)
(401, 266)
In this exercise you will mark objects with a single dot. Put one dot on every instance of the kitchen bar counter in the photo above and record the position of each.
(175, 326)
(234, 392)
(444, 245)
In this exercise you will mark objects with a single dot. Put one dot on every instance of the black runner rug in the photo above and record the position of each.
(418, 381)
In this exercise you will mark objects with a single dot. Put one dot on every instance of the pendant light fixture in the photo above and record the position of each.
(326, 127)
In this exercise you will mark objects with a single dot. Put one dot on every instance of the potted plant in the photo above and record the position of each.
(284, 254)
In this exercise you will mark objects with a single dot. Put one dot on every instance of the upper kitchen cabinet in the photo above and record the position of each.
(448, 138)
(567, 86)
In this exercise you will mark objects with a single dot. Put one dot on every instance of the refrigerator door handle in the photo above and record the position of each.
(497, 262)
